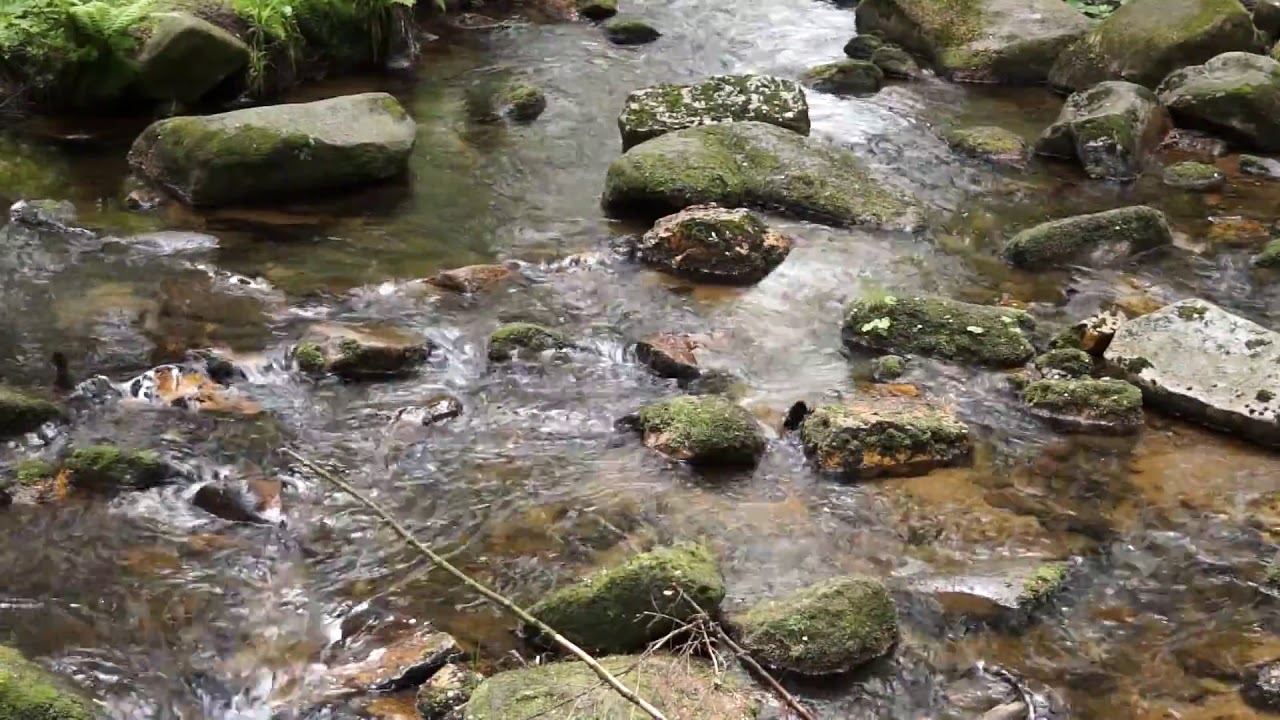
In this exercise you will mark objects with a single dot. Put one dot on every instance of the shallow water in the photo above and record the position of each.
(164, 611)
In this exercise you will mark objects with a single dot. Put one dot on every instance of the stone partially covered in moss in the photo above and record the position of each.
(1005, 41)
(263, 153)
(895, 62)
(714, 244)
(29, 692)
(845, 77)
(1109, 129)
(1270, 255)
(630, 31)
(1098, 237)
(1193, 176)
(653, 111)
(1045, 582)
(360, 353)
(752, 164)
(900, 437)
(1064, 363)
(1267, 168)
(185, 57)
(613, 610)
(526, 339)
(522, 102)
(1086, 405)
(1235, 95)
(22, 413)
(445, 691)
(989, 143)
(1145, 40)
(888, 368)
(107, 467)
(597, 9)
(939, 328)
(683, 687)
(707, 430)
(1004, 593)
(862, 47)
(827, 629)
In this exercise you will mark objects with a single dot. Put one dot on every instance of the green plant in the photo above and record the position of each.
(272, 30)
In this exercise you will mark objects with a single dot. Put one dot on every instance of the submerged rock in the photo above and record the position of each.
(184, 57)
(630, 31)
(1098, 237)
(613, 610)
(358, 353)
(1199, 361)
(827, 629)
(22, 412)
(29, 692)
(1006, 594)
(859, 440)
(1260, 166)
(939, 328)
(1193, 176)
(111, 468)
(845, 77)
(243, 499)
(1004, 41)
(1261, 689)
(1109, 129)
(895, 62)
(522, 102)
(450, 688)
(1086, 405)
(472, 278)
(714, 244)
(683, 687)
(707, 430)
(406, 663)
(521, 338)
(988, 142)
(657, 110)
(1236, 95)
(1145, 40)
(752, 164)
(669, 355)
(261, 153)
(1064, 363)
(887, 368)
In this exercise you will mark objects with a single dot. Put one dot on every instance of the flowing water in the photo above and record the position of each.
(164, 611)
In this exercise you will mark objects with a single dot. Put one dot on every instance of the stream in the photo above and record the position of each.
(164, 611)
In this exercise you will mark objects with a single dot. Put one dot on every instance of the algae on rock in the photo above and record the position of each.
(21, 412)
(525, 338)
(1086, 405)
(1097, 236)
(702, 430)
(1236, 95)
(860, 440)
(1109, 129)
(714, 244)
(939, 328)
(653, 111)
(29, 692)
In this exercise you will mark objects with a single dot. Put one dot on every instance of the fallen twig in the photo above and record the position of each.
(492, 595)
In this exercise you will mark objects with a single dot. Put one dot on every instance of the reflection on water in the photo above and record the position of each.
(165, 611)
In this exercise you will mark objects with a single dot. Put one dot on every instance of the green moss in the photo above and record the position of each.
(597, 9)
(1191, 312)
(888, 367)
(630, 31)
(1270, 255)
(986, 142)
(862, 47)
(21, 412)
(940, 328)
(107, 467)
(31, 472)
(1193, 176)
(310, 358)
(826, 629)
(612, 611)
(1272, 577)
(28, 692)
(1111, 402)
(1133, 228)
(858, 441)
(1070, 362)
(1264, 396)
(844, 76)
(660, 109)
(1047, 580)
(530, 338)
(523, 102)
(702, 430)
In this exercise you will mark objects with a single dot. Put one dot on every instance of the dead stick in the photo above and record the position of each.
(501, 601)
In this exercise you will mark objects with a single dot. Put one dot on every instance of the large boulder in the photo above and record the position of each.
(185, 57)
(683, 687)
(940, 328)
(29, 692)
(657, 110)
(827, 629)
(709, 431)
(1085, 405)
(1006, 41)
(859, 440)
(1197, 360)
(1096, 237)
(21, 412)
(1146, 40)
(1109, 129)
(265, 152)
(714, 244)
(614, 610)
(746, 164)
(1236, 95)
(360, 353)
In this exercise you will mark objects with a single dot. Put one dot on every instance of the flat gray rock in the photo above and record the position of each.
(1199, 361)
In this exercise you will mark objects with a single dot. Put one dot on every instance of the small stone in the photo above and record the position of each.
(1270, 255)
(436, 410)
(110, 468)
(448, 689)
(669, 355)
(1193, 176)
(845, 77)
(597, 9)
(1008, 711)
(895, 62)
(526, 339)
(989, 143)
(707, 431)
(1064, 363)
(523, 102)
(629, 31)
(887, 368)
(248, 500)
(403, 664)
(1086, 405)
(714, 244)
(472, 278)
(360, 353)
(862, 47)
(1261, 688)
(895, 437)
(1264, 167)
(1007, 593)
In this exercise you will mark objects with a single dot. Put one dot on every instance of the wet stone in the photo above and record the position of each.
(1086, 406)
(845, 77)
(472, 278)
(657, 110)
(407, 662)
(29, 692)
(888, 368)
(248, 500)
(940, 328)
(109, 468)
(895, 437)
(1263, 167)
(630, 31)
(669, 355)
(1235, 95)
(862, 47)
(989, 143)
(708, 431)
(714, 244)
(526, 340)
(1270, 255)
(436, 410)
(1193, 176)
(1064, 363)
(445, 691)
(1109, 129)
(21, 412)
(190, 388)
(359, 353)
(1004, 594)
(1098, 238)
(895, 62)
(597, 9)
(1092, 335)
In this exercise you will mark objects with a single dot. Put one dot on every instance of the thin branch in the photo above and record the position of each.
(475, 585)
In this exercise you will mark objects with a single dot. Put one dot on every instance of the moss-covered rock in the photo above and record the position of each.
(29, 692)
(653, 111)
(448, 689)
(107, 467)
(895, 62)
(1064, 363)
(1109, 129)
(1045, 582)
(1193, 176)
(682, 687)
(988, 142)
(1006, 41)
(862, 440)
(21, 412)
(752, 164)
(1086, 405)
(522, 102)
(597, 9)
(526, 339)
(267, 152)
(360, 353)
(185, 57)
(714, 244)
(630, 31)
(1097, 237)
(613, 610)
(829, 628)
(888, 368)
(1260, 166)
(1236, 95)
(862, 47)
(706, 431)
(1146, 40)
(1270, 255)
(940, 328)
(845, 77)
